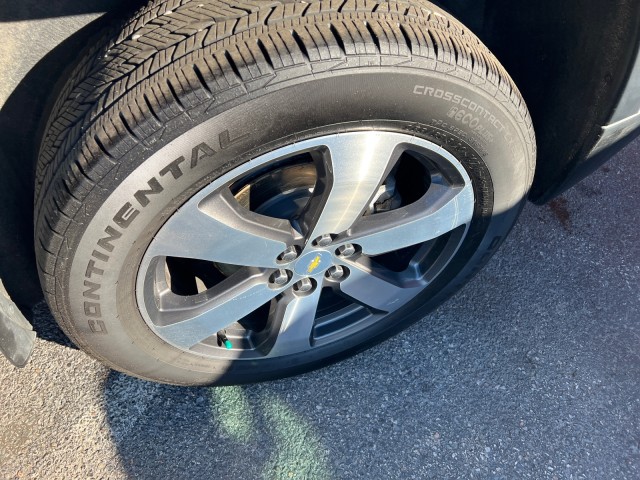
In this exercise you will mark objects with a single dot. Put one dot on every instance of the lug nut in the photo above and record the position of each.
(291, 253)
(336, 273)
(279, 277)
(323, 240)
(303, 286)
(346, 250)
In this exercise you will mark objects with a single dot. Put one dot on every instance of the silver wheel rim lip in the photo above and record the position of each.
(228, 178)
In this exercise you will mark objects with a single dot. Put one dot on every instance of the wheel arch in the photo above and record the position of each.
(571, 61)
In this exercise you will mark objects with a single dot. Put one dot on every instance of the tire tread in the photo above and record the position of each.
(175, 56)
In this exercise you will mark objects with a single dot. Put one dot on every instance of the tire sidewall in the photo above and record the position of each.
(488, 139)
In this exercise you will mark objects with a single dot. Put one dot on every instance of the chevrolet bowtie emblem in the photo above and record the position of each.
(313, 264)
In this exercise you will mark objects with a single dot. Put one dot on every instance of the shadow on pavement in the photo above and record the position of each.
(21, 121)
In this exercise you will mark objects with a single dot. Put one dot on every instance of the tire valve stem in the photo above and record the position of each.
(223, 340)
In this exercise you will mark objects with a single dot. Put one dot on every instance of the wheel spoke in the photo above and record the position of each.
(353, 168)
(441, 210)
(218, 229)
(368, 289)
(186, 321)
(294, 316)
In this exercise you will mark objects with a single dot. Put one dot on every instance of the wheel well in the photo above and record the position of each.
(570, 60)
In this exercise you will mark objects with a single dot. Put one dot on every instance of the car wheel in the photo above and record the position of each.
(235, 192)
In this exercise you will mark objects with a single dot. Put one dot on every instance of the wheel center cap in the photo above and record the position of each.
(312, 263)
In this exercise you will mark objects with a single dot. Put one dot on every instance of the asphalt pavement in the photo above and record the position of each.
(531, 371)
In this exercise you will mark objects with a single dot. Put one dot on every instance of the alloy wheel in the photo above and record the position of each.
(305, 245)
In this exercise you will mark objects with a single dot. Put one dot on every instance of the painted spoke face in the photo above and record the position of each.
(441, 210)
(241, 278)
(376, 292)
(220, 230)
(355, 164)
(294, 315)
(186, 321)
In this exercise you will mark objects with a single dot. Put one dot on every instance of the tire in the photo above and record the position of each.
(185, 96)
